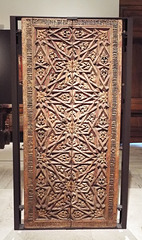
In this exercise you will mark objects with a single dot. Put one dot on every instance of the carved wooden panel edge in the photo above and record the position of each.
(27, 118)
(116, 115)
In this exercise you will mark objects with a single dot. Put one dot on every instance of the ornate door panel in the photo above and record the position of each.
(72, 95)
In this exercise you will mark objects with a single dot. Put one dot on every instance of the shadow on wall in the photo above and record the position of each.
(1, 26)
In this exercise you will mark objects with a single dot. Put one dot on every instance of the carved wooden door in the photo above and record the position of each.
(72, 96)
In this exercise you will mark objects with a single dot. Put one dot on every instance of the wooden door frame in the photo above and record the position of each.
(125, 108)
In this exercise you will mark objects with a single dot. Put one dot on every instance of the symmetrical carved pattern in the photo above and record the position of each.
(73, 106)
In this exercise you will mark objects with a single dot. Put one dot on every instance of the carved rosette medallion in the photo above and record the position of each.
(72, 95)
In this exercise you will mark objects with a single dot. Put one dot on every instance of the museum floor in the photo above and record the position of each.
(134, 231)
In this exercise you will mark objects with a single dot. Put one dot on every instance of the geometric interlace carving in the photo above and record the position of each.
(72, 71)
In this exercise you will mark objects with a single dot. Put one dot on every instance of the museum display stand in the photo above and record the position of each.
(76, 99)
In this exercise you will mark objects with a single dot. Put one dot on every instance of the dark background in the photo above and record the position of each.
(5, 81)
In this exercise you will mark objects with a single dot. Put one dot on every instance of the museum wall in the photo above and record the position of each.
(63, 8)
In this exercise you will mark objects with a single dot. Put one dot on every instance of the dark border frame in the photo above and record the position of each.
(125, 119)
